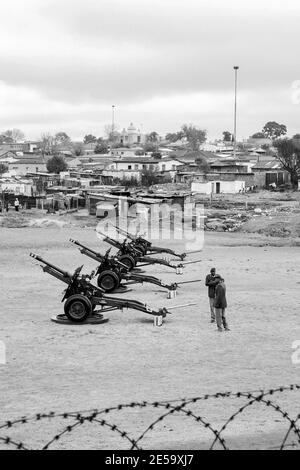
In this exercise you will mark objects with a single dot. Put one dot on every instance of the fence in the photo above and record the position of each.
(67, 423)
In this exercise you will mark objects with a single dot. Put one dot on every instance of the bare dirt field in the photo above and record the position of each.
(67, 368)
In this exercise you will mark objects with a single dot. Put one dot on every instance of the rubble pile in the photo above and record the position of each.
(225, 222)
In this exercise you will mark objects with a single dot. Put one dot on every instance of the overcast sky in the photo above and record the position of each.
(161, 62)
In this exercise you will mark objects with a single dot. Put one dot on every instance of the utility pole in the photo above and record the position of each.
(113, 125)
(236, 68)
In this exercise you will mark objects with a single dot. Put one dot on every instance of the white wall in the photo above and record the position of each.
(231, 187)
(17, 188)
(123, 153)
(24, 168)
(226, 187)
(203, 188)
(135, 166)
(169, 165)
(122, 174)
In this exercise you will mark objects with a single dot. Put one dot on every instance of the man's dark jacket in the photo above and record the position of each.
(220, 300)
(211, 284)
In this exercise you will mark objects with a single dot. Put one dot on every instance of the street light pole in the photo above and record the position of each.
(236, 68)
(113, 124)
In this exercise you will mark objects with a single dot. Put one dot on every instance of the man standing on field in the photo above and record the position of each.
(221, 304)
(211, 283)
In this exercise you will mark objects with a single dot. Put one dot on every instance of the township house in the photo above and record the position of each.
(17, 186)
(133, 167)
(267, 173)
(233, 175)
(27, 165)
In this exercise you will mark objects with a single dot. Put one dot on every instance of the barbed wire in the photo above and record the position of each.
(170, 407)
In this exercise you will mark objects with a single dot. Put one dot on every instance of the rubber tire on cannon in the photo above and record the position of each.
(108, 281)
(128, 260)
(78, 308)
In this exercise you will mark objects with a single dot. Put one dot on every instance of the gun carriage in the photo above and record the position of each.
(81, 297)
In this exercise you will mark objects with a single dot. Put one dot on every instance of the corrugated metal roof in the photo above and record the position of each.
(271, 165)
(138, 160)
(29, 161)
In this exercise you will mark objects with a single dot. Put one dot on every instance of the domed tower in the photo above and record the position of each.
(132, 134)
(131, 129)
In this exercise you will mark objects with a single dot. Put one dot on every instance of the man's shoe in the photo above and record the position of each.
(227, 329)
(220, 330)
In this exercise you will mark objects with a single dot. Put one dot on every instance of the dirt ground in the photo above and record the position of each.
(67, 368)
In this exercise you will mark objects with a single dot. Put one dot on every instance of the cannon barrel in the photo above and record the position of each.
(41, 260)
(123, 232)
(77, 243)
(109, 240)
(131, 236)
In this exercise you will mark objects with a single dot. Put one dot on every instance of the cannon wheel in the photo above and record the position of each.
(108, 281)
(78, 308)
(128, 261)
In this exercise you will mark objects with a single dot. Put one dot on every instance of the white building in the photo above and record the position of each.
(129, 168)
(144, 163)
(27, 165)
(124, 152)
(131, 136)
(17, 187)
(218, 187)
(123, 174)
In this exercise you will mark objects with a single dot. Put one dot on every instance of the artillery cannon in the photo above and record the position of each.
(146, 246)
(81, 297)
(111, 271)
(130, 254)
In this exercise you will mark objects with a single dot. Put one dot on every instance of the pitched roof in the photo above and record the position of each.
(138, 160)
(270, 165)
(30, 161)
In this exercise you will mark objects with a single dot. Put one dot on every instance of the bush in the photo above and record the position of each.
(56, 164)
(151, 177)
(129, 183)
(3, 168)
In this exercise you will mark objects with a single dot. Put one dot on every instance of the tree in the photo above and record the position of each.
(139, 153)
(56, 164)
(4, 139)
(61, 138)
(156, 155)
(288, 154)
(258, 135)
(149, 147)
(194, 136)
(153, 137)
(150, 177)
(111, 133)
(12, 136)
(175, 136)
(78, 149)
(101, 147)
(89, 139)
(202, 164)
(47, 144)
(273, 130)
(3, 168)
(15, 135)
(227, 136)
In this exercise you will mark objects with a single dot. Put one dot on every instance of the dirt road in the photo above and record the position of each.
(61, 368)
